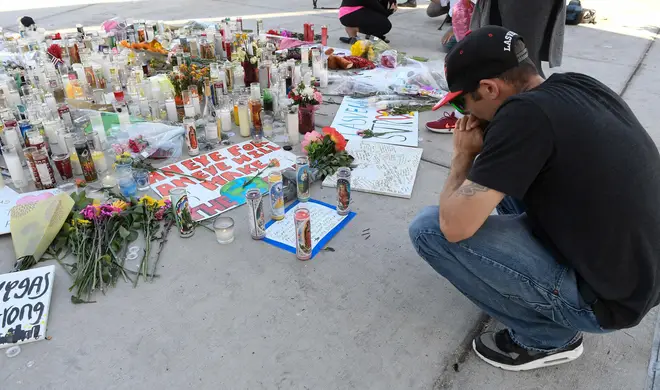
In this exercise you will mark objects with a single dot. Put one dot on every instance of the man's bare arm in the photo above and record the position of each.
(464, 205)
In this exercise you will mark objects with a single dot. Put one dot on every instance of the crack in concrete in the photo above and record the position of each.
(460, 355)
(640, 62)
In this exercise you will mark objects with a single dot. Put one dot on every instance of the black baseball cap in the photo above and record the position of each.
(484, 53)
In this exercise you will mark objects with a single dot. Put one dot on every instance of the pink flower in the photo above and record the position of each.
(311, 137)
(318, 97)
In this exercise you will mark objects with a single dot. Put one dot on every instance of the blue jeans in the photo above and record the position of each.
(510, 275)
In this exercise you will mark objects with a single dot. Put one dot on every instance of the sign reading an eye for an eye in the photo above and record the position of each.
(24, 304)
(356, 115)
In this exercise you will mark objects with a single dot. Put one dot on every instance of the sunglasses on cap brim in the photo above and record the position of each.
(459, 104)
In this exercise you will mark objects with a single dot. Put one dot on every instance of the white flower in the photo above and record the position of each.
(308, 92)
(253, 60)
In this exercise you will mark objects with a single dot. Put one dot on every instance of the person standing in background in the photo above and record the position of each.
(541, 22)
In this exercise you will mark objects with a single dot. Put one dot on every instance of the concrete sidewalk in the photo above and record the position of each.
(370, 315)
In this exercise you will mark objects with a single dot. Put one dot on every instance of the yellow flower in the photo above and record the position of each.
(82, 221)
(148, 200)
(97, 203)
(160, 203)
(120, 204)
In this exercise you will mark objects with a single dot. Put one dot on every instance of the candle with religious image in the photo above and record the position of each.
(44, 169)
(343, 190)
(29, 157)
(302, 178)
(303, 226)
(276, 195)
(86, 161)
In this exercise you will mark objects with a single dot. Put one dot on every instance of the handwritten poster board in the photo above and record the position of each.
(10, 198)
(356, 115)
(25, 299)
(324, 223)
(382, 169)
(218, 180)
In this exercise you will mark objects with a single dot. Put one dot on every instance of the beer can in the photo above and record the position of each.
(86, 161)
(302, 178)
(303, 227)
(191, 136)
(256, 218)
(276, 194)
(181, 210)
(343, 191)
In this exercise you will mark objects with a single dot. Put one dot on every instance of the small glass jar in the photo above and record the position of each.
(125, 180)
(141, 177)
(224, 230)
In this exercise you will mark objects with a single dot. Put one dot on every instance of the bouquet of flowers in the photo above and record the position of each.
(305, 96)
(327, 151)
(187, 76)
(98, 235)
(248, 52)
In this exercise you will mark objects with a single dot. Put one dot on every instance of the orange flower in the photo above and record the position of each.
(336, 137)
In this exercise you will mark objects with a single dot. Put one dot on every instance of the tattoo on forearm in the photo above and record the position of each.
(471, 189)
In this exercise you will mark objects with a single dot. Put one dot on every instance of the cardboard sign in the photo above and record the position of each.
(220, 175)
(25, 298)
(382, 169)
(356, 115)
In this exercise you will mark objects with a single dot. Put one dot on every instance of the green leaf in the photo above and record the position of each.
(76, 301)
(132, 237)
(123, 232)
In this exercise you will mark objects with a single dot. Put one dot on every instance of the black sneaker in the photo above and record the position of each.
(408, 4)
(348, 40)
(499, 350)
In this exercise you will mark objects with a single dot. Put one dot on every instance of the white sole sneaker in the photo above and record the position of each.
(440, 131)
(551, 360)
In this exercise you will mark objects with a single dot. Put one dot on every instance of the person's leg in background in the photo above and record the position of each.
(368, 22)
(436, 9)
(506, 271)
(530, 19)
(408, 4)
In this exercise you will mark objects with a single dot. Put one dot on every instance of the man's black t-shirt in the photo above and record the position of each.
(589, 174)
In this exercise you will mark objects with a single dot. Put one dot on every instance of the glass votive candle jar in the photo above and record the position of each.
(63, 165)
(224, 230)
(141, 177)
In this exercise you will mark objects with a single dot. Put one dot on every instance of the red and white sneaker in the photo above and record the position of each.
(444, 125)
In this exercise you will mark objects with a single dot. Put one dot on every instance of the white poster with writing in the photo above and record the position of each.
(25, 299)
(356, 115)
(217, 181)
(10, 198)
(382, 169)
(324, 224)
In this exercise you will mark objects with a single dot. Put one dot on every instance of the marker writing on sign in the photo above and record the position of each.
(26, 288)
